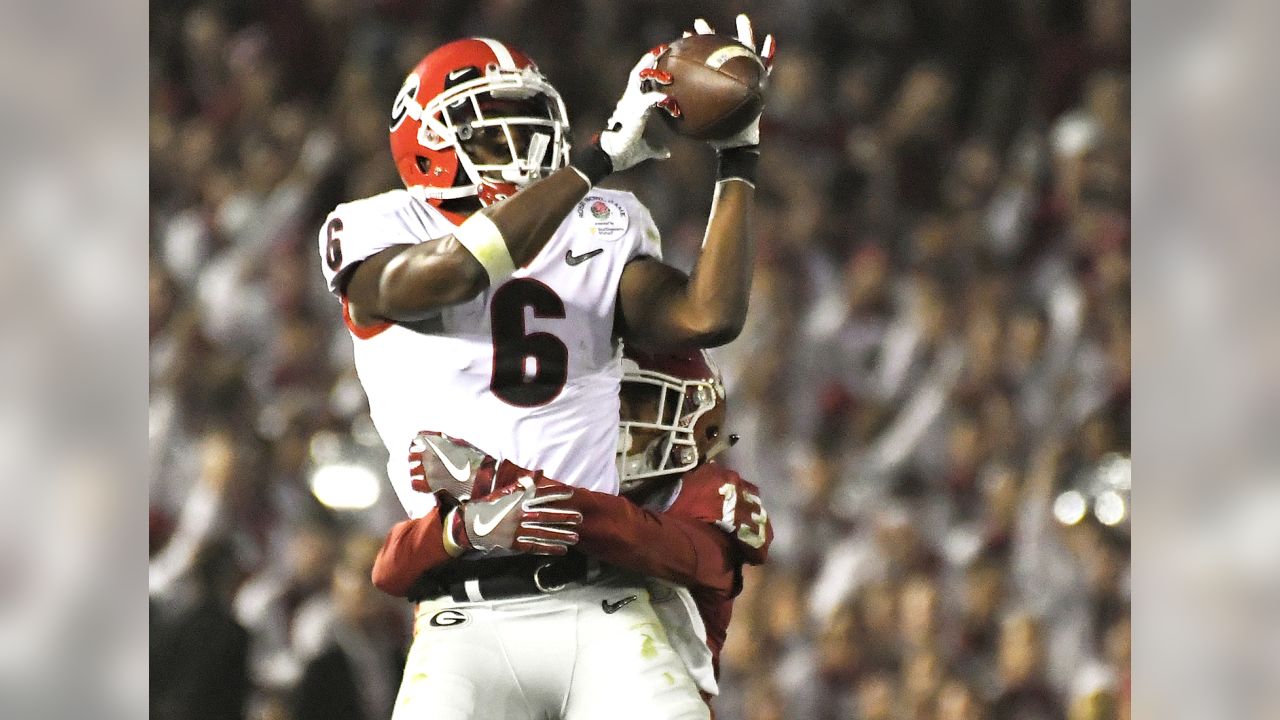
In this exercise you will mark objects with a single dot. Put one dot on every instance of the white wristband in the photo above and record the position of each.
(483, 240)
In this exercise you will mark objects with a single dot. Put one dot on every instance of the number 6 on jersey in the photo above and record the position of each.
(529, 369)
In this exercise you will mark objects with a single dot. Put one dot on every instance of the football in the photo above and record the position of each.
(717, 83)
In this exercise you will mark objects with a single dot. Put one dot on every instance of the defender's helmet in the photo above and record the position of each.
(460, 92)
(672, 417)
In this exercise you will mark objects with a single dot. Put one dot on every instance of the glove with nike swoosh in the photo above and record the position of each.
(621, 144)
(453, 470)
(527, 515)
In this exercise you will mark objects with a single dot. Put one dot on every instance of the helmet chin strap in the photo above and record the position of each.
(423, 192)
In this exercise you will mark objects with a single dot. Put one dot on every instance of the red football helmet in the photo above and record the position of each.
(672, 417)
(472, 88)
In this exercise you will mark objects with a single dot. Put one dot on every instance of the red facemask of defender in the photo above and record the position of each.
(477, 119)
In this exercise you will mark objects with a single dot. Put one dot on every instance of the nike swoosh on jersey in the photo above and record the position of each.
(611, 608)
(485, 525)
(459, 473)
(572, 259)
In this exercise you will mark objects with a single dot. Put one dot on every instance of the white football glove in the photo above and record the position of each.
(623, 137)
(750, 135)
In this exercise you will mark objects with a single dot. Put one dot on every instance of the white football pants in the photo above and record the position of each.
(558, 656)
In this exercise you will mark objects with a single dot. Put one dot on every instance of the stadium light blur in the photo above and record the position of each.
(345, 487)
(1109, 508)
(1115, 472)
(1069, 507)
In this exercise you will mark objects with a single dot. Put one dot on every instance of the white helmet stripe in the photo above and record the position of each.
(505, 61)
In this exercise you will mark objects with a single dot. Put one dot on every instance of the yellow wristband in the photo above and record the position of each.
(450, 545)
(483, 240)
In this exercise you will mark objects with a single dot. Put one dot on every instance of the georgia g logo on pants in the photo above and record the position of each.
(448, 618)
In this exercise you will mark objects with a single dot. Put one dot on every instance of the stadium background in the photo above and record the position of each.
(933, 388)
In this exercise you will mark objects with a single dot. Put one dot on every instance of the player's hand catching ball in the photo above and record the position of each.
(750, 135)
(621, 145)
(525, 516)
(623, 136)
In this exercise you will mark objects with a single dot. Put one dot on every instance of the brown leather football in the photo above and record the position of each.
(717, 83)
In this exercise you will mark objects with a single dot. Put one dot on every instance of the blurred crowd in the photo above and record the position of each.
(932, 387)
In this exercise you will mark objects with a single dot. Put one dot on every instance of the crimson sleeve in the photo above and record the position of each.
(411, 548)
(714, 494)
(676, 549)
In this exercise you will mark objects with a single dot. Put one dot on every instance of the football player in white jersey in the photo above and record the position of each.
(486, 299)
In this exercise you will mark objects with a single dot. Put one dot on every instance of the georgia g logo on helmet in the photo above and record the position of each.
(408, 92)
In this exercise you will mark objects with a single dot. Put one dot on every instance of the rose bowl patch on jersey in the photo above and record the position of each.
(608, 219)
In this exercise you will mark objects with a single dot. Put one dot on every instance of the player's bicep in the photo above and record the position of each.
(414, 282)
(361, 286)
(648, 305)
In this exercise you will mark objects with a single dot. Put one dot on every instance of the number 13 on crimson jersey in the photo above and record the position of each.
(528, 371)
(744, 517)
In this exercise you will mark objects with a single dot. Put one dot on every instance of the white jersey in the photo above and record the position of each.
(528, 371)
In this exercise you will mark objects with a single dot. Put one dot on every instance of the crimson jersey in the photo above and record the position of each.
(713, 494)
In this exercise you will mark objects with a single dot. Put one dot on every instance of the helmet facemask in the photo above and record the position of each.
(657, 431)
(507, 129)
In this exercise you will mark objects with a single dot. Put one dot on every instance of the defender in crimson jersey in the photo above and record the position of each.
(688, 524)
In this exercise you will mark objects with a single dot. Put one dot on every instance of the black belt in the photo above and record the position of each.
(501, 578)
